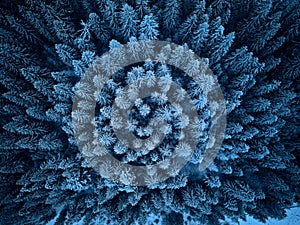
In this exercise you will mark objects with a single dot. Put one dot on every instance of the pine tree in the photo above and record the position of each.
(128, 19)
(171, 15)
(149, 27)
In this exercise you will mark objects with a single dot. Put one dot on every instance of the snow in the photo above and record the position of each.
(293, 218)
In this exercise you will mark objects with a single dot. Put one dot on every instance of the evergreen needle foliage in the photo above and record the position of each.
(251, 46)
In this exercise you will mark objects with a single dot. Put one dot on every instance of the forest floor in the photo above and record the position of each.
(293, 218)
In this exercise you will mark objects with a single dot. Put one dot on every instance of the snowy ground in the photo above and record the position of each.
(293, 218)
